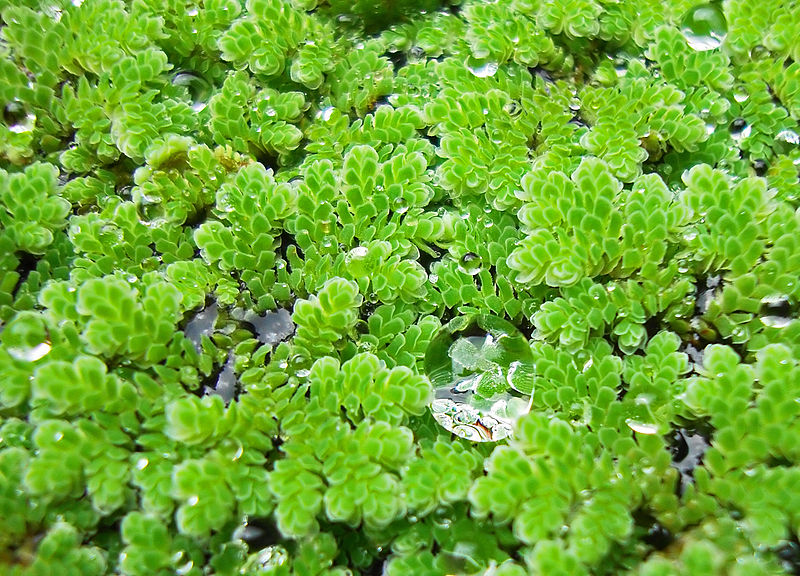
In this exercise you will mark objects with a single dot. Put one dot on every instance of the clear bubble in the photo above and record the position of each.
(470, 263)
(198, 88)
(704, 26)
(481, 368)
(482, 69)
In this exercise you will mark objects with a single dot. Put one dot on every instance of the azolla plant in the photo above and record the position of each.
(409, 287)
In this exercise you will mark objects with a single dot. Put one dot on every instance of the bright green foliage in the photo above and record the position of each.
(115, 318)
(442, 474)
(592, 237)
(268, 124)
(230, 231)
(327, 316)
(30, 209)
(716, 206)
(272, 32)
(364, 389)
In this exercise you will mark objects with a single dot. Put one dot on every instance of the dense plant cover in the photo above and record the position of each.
(229, 231)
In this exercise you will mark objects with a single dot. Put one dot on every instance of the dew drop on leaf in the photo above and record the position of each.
(704, 26)
(740, 129)
(29, 354)
(641, 427)
(481, 68)
(481, 368)
(776, 311)
(470, 263)
(199, 89)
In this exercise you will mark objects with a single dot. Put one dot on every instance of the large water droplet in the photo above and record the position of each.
(481, 368)
(470, 263)
(704, 26)
(199, 90)
(482, 68)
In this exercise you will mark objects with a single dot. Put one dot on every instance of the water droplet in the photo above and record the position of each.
(17, 119)
(691, 235)
(788, 136)
(641, 427)
(30, 354)
(198, 89)
(481, 368)
(266, 559)
(512, 108)
(482, 69)
(741, 96)
(416, 53)
(704, 26)
(193, 500)
(740, 129)
(400, 205)
(776, 311)
(193, 11)
(470, 263)
(142, 463)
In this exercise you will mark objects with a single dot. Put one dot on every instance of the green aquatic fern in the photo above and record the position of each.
(231, 234)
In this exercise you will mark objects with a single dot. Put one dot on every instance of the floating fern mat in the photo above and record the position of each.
(399, 287)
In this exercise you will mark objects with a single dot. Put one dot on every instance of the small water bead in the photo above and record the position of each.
(198, 88)
(512, 108)
(704, 26)
(400, 205)
(470, 263)
(481, 368)
(776, 311)
(17, 119)
(482, 69)
(266, 560)
(29, 354)
(740, 129)
(641, 427)
(788, 136)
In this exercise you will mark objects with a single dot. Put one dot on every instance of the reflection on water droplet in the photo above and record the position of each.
(400, 205)
(142, 463)
(470, 263)
(776, 311)
(741, 96)
(512, 108)
(268, 558)
(788, 136)
(641, 427)
(481, 368)
(198, 89)
(482, 69)
(704, 26)
(17, 118)
(193, 11)
(31, 354)
(740, 129)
